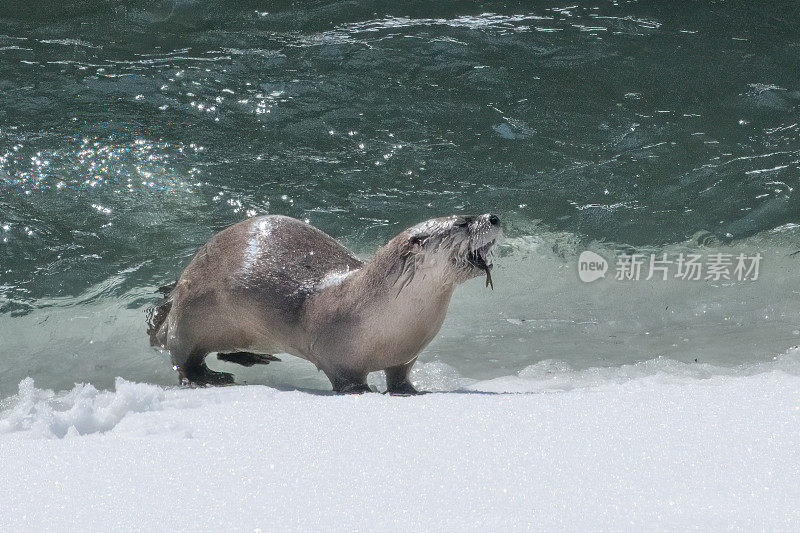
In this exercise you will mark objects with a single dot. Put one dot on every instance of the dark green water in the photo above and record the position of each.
(131, 131)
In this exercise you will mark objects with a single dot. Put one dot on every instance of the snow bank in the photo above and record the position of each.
(81, 411)
(656, 448)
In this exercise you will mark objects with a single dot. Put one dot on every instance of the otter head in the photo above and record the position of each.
(456, 246)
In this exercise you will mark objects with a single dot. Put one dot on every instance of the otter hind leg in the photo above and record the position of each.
(397, 382)
(247, 358)
(192, 370)
(202, 375)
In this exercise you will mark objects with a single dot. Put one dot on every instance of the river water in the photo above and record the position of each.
(131, 131)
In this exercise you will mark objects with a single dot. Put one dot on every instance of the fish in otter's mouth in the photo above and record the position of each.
(479, 258)
(467, 240)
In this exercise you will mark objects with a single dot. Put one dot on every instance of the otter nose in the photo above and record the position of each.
(494, 220)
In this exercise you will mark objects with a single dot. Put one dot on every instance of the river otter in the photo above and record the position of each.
(273, 284)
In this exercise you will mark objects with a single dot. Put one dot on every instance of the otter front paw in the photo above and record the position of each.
(404, 388)
(353, 388)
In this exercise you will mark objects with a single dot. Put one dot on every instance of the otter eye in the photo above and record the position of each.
(419, 239)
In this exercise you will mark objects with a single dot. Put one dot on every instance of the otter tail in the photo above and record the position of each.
(156, 316)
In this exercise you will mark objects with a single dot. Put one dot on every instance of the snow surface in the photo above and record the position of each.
(660, 446)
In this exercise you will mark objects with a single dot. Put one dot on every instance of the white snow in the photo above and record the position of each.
(656, 446)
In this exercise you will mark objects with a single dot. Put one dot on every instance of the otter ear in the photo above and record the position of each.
(463, 221)
(418, 238)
